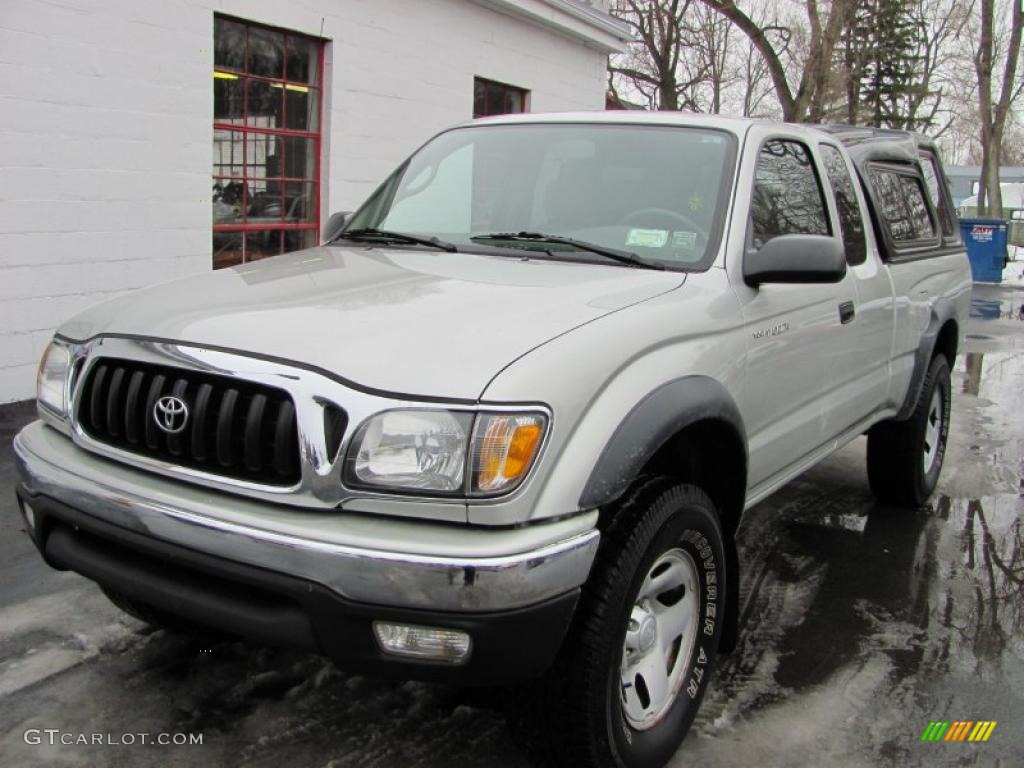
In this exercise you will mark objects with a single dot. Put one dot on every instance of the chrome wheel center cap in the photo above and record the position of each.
(648, 634)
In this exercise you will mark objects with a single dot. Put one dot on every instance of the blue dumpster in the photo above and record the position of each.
(986, 248)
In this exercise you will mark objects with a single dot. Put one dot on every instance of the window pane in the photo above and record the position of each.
(264, 203)
(490, 98)
(495, 99)
(227, 153)
(297, 239)
(303, 63)
(479, 98)
(300, 201)
(227, 249)
(890, 197)
(263, 155)
(264, 104)
(301, 108)
(266, 52)
(931, 180)
(260, 245)
(300, 158)
(228, 106)
(917, 207)
(228, 45)
(513, 101)
(787, 196)
(850, 220)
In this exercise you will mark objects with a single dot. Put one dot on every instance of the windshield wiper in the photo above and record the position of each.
(625, 257)
(372, 233)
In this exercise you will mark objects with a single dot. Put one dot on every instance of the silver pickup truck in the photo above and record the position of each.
(502, 426)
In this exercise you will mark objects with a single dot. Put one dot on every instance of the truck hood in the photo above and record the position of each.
(401, 320)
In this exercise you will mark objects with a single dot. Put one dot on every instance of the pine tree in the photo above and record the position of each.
(881, 62)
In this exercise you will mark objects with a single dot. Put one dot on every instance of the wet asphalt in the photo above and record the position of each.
(861, 624)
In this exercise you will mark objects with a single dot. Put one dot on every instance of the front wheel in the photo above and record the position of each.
(905, 457)
(635, 667)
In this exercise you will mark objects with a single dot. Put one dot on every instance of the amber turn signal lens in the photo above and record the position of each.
(504, 447)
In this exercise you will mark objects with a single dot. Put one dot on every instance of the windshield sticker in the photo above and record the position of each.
(647, 238)
(687, 240)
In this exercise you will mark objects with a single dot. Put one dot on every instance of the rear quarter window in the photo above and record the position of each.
(939, 196)
(902, 206)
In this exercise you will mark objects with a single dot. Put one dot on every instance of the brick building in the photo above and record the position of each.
(141, 141)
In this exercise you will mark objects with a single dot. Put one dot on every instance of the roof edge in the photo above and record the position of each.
(575, 19)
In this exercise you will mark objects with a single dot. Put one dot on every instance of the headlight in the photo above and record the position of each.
(52, 379)
(428, 451)
(412, 450)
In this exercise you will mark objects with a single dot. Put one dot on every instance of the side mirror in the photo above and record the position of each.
(796, 259)
(335, 224)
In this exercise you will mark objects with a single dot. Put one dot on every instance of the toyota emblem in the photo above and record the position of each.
(170, 414)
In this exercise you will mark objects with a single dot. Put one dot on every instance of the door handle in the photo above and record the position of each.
(846, 312)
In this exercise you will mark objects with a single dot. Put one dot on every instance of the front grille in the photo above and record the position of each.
(234, 428)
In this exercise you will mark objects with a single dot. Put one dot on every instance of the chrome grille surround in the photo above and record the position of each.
(313, 392)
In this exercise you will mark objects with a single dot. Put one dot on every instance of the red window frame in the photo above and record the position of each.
(492, 86)
(283, 133)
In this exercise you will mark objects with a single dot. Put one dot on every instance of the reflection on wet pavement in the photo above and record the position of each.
(861, 624)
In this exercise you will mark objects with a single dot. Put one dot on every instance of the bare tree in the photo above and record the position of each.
(715, 35)
(943, 23)
(808, 98)
(659, 65)
(994, 109)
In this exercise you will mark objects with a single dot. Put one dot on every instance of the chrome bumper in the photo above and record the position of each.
(398, 563)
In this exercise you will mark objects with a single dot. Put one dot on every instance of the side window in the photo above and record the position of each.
(850, 219)
(939, 201)
(901, 200)
(917, 207)
(787, 194)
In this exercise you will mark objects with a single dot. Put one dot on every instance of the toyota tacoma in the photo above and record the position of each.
(501, 427)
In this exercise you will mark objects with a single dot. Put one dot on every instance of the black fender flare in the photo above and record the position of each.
(943, 310)
(659, 416)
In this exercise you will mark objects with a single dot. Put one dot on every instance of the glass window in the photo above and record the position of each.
(851, 221)
(650, 190)
(266, 141)
(491, 98)
(787, 194)
(920, 217)
(939, 200)
(902, 203)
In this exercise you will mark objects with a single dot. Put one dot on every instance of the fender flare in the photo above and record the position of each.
(659, 416)
(942, 311)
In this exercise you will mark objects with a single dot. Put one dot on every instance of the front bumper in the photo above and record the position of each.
(306, 578)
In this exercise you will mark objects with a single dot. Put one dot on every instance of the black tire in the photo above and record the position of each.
(897, 450)
(576, 715)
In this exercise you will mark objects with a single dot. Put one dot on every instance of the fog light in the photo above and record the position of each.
(449, 645)
(30, 515)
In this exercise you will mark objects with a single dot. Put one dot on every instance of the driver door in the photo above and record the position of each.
(795, 332)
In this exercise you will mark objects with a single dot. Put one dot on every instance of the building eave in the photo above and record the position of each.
(577, 20)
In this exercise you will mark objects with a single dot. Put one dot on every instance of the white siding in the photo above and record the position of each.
(106, 111)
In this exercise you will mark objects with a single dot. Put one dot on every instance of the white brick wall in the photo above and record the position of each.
(106, 110)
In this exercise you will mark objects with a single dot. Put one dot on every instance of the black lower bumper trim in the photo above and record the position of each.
(279, 609)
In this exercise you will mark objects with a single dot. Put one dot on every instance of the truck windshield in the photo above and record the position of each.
(651, 191)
